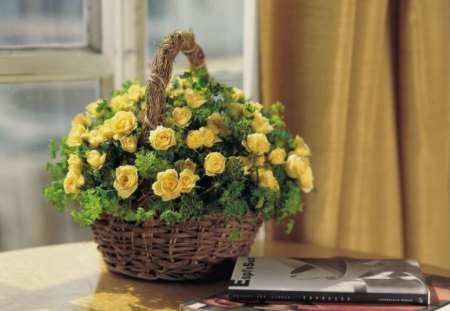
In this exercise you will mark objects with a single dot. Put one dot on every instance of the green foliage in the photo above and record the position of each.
(149, 164)
(234, 235)
(91, 208)
(191, 206)
(170, 217)
(56, 196)
(52, 149)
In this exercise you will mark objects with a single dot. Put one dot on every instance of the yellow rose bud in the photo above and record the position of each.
(73, 182)
(301, 148)
(91, 109)
(162, 138)
(193, 98)
(187, 180)
(238, 94)
(96, 159)
(214, 164)
(186, 164)
(260, 161)
(247, 164)
(126, 181)
(75, 163)
(122, 103)
(236, 109)
(260, 124)
(194, 139)
(296, 166)
(167, 185)
(251, 108)
(76, 135)
(209, 138)
(123, 123)
(181, 116)
(128, 143)
(143, 91)
(256, 143)
(277, 156)
(267, 180)
(105, 129)
(81, 119)
(95, 138)
(307, 180)
(216, 124)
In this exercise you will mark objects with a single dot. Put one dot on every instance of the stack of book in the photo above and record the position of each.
(270, 283)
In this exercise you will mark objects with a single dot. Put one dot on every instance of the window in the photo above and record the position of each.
(58, 55)
(217, 25)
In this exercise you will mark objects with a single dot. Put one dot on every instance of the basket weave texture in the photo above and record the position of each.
(190, 250)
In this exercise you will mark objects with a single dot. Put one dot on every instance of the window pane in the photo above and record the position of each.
(217, 25)
(30, 114)
(42, 23)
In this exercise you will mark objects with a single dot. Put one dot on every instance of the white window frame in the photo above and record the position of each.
(115, 52)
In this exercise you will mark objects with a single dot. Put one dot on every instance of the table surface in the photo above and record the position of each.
(73, 277)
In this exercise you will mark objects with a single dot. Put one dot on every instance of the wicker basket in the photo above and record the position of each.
(191, 250)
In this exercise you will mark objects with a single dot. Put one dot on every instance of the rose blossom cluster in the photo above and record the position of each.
(255, 152)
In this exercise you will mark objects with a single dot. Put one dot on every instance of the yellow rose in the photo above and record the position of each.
(209, 138)
(184, 83)
(214, 164)
(236, 109)
(128, 143)
(307, 180)
(277, 156)
(73, 182)
(91, 109)
(126, 180)
(123, 123)
(193, 99)
(75, 163)
(95, 138)
(267, 180)
(251, 108)
(238, 94)
(76, 135)
(162, 138)
(167, 185)
(186, 164)
(194, 139)
(81, 119)
(187, 180)
(296, 165)
(122, 103)
(106, 130)
(96, 159)
(301, 148)
(181, 116)
(216, 124)
(256, 143)
(260, 124)
(134, 93)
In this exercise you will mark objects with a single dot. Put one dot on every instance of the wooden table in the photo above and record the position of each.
(73, 277)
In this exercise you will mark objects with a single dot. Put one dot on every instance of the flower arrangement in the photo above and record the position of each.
(216, 152)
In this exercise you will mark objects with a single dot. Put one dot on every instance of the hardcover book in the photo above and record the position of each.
(339, 279)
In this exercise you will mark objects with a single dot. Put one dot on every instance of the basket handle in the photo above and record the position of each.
(161, 71)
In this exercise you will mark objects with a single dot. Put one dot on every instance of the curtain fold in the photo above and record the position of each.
(366, 84)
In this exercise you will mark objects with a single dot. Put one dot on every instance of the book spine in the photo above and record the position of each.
(260, 295)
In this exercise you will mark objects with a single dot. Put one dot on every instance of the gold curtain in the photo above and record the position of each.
(366, 84)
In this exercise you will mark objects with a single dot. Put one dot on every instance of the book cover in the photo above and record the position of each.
(439, 288)
(339, 279)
